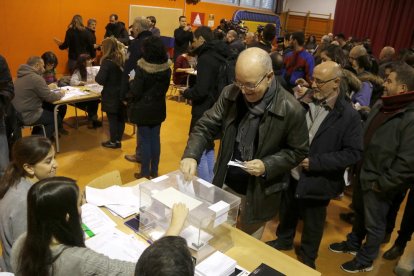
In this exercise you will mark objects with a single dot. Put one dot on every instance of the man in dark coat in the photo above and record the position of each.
(183, 36)
(90, 28)
(264, 127)
(117, 29)
(335, 137)
(140, 29)
(6, 95)
(386, 169)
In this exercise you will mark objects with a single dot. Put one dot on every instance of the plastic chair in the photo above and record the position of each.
(106, 180)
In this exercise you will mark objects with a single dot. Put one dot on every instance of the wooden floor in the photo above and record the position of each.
(83, 158)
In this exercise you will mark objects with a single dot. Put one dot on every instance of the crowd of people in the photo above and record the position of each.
(295, 117)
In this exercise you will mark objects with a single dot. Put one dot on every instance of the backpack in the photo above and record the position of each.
(226, 73)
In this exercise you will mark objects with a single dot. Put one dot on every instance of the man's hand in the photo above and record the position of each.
(302, 82)
(188, 167)
(52, 86)
(305, 164)
(187, 28)
(255, 167)
(57, 41)
(178, 218)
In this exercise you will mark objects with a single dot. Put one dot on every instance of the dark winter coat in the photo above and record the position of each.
(146, 105)
(77, 42)
(118, 31)
(110, 76)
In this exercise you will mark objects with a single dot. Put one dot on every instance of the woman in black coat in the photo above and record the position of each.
(110, 76)
(147, 106)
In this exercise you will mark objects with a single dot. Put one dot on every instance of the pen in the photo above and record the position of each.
(143, 237)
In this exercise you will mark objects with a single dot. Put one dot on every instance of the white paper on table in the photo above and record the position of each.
(112, 195)
(185, 186)
(195, 237)
(97, 88)
(221, 210)
(96, 220)
(236, 164)
(170, 196)
(216, 264)
(117, 245)
(123, 211)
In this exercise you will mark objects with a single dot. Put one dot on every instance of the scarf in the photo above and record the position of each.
(248, 126)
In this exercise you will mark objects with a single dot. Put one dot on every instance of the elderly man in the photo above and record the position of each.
(335, 137)
(386, 169)
(91, 28)
(250, 39)
(31, 90)
(386, 57)
(264, 128)
(140, 29)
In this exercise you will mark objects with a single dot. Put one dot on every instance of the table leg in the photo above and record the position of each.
(55, 115)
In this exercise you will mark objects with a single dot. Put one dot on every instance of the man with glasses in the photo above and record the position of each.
(335, 138)
(263, 132)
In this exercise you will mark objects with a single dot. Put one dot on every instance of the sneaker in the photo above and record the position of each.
(111, 145)
(277, 244)
(342, 247)
(354, 266)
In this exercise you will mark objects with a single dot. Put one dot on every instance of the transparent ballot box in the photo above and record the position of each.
(211, 211)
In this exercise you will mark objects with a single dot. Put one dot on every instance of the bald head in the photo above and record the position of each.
(327, 77)
(387, 54)
(358, 51)
(253, 60)
(329, 69)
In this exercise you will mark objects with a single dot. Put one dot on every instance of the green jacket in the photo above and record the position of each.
(282, 144)
(388, 162)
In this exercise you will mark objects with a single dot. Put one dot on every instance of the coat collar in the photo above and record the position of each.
(153, 68)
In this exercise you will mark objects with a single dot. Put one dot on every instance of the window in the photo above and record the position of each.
(262, 4)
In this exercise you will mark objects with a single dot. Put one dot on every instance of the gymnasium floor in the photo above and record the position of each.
(83, 158)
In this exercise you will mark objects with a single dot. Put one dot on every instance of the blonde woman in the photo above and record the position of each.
(77, 41)
(110, 76)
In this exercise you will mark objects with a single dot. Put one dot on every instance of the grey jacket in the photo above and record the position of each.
(30, 91)
(282, 143)
(13, 217)
(77, 261)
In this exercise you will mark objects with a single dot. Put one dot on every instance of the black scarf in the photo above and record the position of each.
(248, 126)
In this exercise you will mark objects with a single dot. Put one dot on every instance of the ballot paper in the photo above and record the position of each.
(94, 87)
(170, 196)
(95, 219)
(236, 164)
(216, 264)
(117, 245)
(72, 92)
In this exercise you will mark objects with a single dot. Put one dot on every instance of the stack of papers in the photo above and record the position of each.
(121, 201)
(117, 245)
(94, 87)
(72, 92)
(95, 219)
(217, 264)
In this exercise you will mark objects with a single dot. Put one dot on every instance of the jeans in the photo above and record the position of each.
(206, 166)
(116, 126)
(371, 223)
(313, 213)
(149, 138)
(47, 120)
(4, 147)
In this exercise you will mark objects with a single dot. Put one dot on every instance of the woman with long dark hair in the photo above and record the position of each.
(33, 159)
(110, 77)
(83, 74)
(76, 41)
(54, 242)
(147, 106)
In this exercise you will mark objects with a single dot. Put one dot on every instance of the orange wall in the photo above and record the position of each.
(28, 27)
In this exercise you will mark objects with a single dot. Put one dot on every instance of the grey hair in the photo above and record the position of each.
(32, 61)
(326, 39)
(141, 23)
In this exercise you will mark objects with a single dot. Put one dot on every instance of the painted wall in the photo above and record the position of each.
(28, 27)
(315, 6)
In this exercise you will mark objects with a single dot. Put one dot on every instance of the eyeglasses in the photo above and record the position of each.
(320, 83)
(248, 86)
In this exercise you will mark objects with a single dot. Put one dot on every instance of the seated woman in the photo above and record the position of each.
(147, 106)
(182, 66)
(33, 160)
(84, 74)
(54, 242)
(51, 61)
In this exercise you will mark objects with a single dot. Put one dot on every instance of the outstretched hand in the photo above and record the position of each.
(178, 218)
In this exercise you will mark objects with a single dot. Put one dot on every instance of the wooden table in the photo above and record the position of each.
(90, 96)
(246, 250)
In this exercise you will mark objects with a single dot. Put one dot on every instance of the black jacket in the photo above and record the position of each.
(110, 76)
(146, 105)
(78, 42)
(282, 144)
(6, 87)
(337, 144)
(205, 92)
(134, 54)
(92, 40)
(182, 40)
(117, 30)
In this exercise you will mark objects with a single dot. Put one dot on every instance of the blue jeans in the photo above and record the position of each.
(374, 218)
(4, 147)
(206, 166)
(149, 139)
